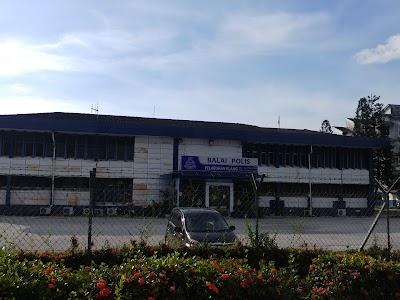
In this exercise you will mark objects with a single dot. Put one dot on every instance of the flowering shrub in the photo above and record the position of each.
(162, 273)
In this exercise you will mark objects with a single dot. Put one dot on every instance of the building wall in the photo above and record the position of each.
(153, 158)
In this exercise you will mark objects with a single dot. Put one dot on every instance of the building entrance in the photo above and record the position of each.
(219, 195)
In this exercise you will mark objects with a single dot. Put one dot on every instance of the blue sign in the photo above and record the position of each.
(219, 164)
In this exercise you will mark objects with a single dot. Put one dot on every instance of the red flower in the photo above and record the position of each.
(136, 275)
(141, 281)
(212, 287)
(172, 288)
(225, 276)
(356, 274)
(243, 283)
(105, 292)
(101, 284)
(151, 298)
(127, 280)
(151, 275)
(87, 268)
(48, 271)
(53, 281)
(273, 272)
(367, 267)
(51, 286)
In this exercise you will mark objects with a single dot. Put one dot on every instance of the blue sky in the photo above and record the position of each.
(230, 61)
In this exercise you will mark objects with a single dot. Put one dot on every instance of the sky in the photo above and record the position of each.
(270, 63)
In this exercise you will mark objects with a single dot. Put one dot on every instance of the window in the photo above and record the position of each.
(19, 144)
(101, 147)
(271, 155)
(70, 145)
(5, 144)
(29, 144)
(121, 148)
(80, 146)
(48, 145)
(263, 154)
(60, 145)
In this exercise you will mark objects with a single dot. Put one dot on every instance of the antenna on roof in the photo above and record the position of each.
(279, 122)
(95, 108)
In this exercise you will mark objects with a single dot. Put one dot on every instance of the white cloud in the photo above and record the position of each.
(35, 104)
(247, 33)
(18, 58)
(381, 54)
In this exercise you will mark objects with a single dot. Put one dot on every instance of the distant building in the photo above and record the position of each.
(46, 160)
(348, 130)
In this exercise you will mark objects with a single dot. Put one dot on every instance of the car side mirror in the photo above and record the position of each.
(178, 229)
(232, 228)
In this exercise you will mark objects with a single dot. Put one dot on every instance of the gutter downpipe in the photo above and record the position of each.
(52, 169)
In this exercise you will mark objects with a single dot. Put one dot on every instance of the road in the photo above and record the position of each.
(54, 233)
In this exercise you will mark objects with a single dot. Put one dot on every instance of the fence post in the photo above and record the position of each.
(91, 206)
(388, 222)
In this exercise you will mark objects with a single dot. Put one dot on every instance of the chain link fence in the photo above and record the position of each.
(111, 214)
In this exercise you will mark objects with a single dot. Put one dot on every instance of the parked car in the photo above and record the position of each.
(188, 226)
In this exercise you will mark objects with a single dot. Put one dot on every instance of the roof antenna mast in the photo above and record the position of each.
(95, 108)
(279, 122)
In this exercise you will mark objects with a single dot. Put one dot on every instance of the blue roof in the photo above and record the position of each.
(122, 125)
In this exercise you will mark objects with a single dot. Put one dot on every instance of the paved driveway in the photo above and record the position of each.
(54, 233)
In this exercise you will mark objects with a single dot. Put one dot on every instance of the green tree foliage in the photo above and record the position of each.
(326, 127)
(369, 121)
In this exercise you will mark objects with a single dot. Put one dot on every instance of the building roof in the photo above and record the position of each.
(343, 129)
(393, 108)
(124, 125)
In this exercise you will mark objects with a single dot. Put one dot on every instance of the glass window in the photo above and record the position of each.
(5, 143)
(60, 145)
(263, 154)
(121, 147)
(70, 145)
(48, 144)
(112, 148)
(29, 142)
(19, 144)
(271, 155)
(91, 147)
(130, 149)
(101, 147)
(80, 146)
(38, 145)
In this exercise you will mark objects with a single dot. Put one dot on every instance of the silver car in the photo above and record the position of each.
(188, 226)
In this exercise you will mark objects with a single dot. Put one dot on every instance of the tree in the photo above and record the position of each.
(326, 127)
(369, 121)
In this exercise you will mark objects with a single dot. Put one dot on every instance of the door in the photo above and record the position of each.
(219, 195)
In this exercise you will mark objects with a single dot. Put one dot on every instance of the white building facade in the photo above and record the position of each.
(147, 165)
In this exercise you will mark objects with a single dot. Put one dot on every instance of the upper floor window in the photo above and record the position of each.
(91, 147)
(305, 156)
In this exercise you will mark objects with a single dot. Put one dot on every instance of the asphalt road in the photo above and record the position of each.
(54, 233)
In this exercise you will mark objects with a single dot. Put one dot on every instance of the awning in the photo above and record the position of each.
(214, 175)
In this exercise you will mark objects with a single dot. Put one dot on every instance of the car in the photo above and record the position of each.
(190, 226)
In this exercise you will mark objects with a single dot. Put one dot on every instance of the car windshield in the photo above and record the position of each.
(205, 222)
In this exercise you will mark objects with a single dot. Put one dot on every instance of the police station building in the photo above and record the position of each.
(46, 160)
